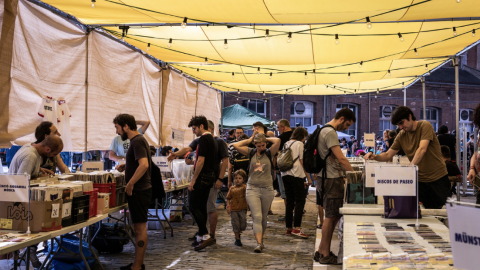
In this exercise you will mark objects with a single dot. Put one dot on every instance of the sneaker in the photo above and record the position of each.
(299, 233)
(317, 256)
(258, 248)
(238, 242)
(193, 238)
(330, 259)
(195, 243)
(129, 267)
(282, 219)
(204, 244)
(288, 232)
(278, 194)
(33, 257)
(214, 239)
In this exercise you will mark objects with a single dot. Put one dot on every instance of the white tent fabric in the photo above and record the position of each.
(209, 105)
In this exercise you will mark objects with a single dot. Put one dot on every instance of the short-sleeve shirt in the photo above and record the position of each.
(222, 151)
(260, 171)
(431, 167)
(119, 146)
(138, 149)
(452, 168)
(26, 160)
(284, 137)
(450, 141)
(297, 153)
(328, 138)
(206, 146)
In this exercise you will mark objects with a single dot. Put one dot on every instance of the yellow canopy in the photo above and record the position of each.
(331, 45)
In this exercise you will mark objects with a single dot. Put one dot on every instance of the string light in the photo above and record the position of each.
(400, 37)
(267, 34)
(225, 45)
(298, 89)
(344, 92)
(348, 76)
(473, 33)
(237, 98)
(123, 36)
(426, 66)
(389, 74)
(378, 91)
(313, 71)
(336, 39)
(281, 96)
(289, 39)
(458, 1)
(360, 64)
(306, 76)
(148, 47)
(248, 100)
(375, 96)
(270, 75)
(233, 75)
(454, 31)
(206, 60)
(390, 94)
(265, 100)
(93, 3)
(170, 43)
(238, 91)
(429, 73)
(263, 93)
(198, 69)
(369, 24)
(258, 71)
(184, 23)
(360, 96)
(416, 52)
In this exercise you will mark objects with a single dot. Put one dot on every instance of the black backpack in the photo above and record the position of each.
(312, 162)
(239, 161)
(107, 239)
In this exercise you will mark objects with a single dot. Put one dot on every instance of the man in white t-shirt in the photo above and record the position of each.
(119, 147)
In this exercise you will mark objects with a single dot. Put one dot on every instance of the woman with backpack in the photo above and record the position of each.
(260, 181)
(294, 182)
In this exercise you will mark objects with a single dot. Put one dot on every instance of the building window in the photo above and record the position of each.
(301, 114)
(466, 119)
(432, 117)
(353, 128)
(257, 106)
(384, 122)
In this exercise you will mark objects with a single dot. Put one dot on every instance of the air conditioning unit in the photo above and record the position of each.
(464, 115)
(387, 111)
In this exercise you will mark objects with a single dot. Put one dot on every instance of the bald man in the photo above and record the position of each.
(29, 157)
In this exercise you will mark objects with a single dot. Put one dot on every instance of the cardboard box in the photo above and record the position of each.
(41, 216)
(102, 205)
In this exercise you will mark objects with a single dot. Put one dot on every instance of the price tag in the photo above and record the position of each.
(6, 223)
(80, 211)
(55, 210)
(67, 208)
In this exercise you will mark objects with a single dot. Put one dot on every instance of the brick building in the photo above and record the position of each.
(440, 101)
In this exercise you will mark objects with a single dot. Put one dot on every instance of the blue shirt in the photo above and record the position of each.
(119, 146)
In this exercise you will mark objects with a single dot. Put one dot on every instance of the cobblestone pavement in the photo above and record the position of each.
(281, 251)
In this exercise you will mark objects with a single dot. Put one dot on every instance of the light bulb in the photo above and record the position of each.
(429, 73)
(454, 31)
(225, 45)
(184, 23)
(390, 94)
(258, 71)
(289, 39)
(336, 39)
(170, 43)
(348, 76)
(360, 96)
(400, 37)
(375, 96)
(238, 91)
(263, 93)
(473, 33)
(426, 67)
(378, 91)
(148, 47)
(206, 60)
(281, 97)
(270, 75)
(237, 98)
(248, 100)
(458, 1)
(389, 74)
(123, 36)
(93, 3)
(233, 75)
(267, 34)
(306, 76)
(416, 52)
(360, 64)
(369, 24)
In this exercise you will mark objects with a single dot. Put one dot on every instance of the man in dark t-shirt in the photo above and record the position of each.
(447, 139)
(206, 169)
(138, 178)
(454, 174)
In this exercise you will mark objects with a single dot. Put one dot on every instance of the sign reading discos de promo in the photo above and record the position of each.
(394, 180)
(92, 166)
(13, 188)
(369, 139)
(464, 235)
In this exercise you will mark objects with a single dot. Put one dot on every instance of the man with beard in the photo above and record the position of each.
(28, 160)
(331, 187)
(119, 147)
(139, 186)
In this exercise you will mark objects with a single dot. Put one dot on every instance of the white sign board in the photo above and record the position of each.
(67, 209)
(463, 224)
(92, 166)
(13, 188)
(162, 163)
(55, 210)
(178, 136)
(369, 139)
(370, 172)
(393, 180)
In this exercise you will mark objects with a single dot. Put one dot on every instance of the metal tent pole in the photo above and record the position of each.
(324, 121)
(369, 113)
(422, 79)
(457, 115)
(404, 96)
(86, 100)
(221, 113)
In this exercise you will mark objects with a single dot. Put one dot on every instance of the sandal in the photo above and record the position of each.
(319, 226)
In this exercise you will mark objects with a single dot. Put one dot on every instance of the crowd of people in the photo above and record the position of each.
(252, 168)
